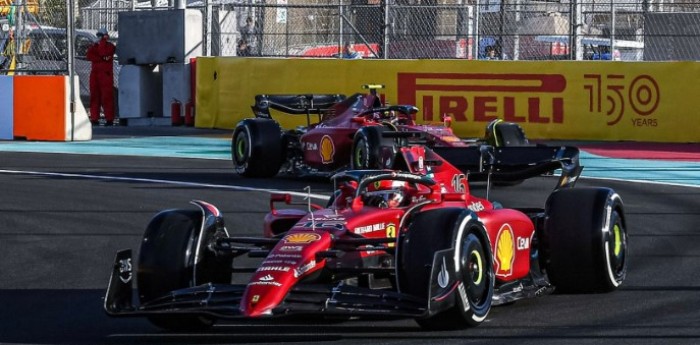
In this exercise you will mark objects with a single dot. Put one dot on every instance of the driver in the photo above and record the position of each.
(387, 194)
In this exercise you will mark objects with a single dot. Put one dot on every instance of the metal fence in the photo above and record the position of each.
(465, 29)
(33, 35)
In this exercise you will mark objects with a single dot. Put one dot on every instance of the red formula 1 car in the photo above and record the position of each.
(412, 243)
(357, 132)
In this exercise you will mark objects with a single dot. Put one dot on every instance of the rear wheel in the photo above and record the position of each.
(586, 244)
(166, 263)
(257, 148)
(441, 229)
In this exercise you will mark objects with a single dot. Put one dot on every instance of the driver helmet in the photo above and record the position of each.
(387, 193)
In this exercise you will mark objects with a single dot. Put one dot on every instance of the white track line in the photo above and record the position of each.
(177, 183)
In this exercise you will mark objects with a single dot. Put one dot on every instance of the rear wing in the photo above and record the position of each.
(295, 104)
(514, 163)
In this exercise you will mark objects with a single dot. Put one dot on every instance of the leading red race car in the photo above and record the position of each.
(412, 243)
(357, 132)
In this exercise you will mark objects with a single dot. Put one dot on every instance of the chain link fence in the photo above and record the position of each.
(652, 30)
(33, 36)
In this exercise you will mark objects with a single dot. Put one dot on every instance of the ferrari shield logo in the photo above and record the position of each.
(327, 150)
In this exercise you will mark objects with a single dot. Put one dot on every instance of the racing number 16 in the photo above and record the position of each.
(458, 183)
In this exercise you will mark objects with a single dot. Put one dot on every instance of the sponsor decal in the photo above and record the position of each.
(327, 149)
(641, 93)
(483, 97)
(255, 299)
(280, 262)
(406, 176)
(476, 206)
(291, 248)
(505, 251)
(391, 233)
(309, 146)
(369, 228)
(304, 268)
(266, 283)
(284, 256)
(125, 270)
(329, 217)
(304, 238)
(417, 199)
(335, 224)
(443, 277)
(420, 163)
(274, 268)
(523, 243)
(266, 280)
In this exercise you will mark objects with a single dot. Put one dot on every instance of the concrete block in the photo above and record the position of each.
(157, 37)
(140, 92)
(176, 86)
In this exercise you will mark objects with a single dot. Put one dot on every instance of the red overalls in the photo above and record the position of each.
(101, 55)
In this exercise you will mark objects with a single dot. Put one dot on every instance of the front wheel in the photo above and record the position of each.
(434, 231)
(586, 240)
(166, 263)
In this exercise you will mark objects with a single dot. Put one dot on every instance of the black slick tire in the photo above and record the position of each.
(257, 148)
(441, 229)
(585, 240)
(166, 262)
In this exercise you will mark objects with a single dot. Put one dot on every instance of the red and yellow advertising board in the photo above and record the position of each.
(572, 100)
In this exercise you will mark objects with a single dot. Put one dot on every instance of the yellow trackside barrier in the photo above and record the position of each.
(572, 100)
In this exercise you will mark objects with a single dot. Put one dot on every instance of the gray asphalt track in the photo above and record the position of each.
(62, 217)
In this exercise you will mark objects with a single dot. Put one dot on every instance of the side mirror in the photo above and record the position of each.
(278, 197)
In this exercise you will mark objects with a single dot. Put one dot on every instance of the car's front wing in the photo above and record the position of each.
(223, 300)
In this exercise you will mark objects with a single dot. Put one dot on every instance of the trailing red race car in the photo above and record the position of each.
(357, 132)
(412, 242)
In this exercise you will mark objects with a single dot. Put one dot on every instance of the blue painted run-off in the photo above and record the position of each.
(685, 173)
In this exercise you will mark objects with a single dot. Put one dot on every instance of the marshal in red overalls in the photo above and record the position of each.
(101, 54)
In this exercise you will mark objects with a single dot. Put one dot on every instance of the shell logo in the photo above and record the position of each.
(302, 238)
(327, 149)
(505, 251)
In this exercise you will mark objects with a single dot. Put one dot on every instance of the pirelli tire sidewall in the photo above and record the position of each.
(585, 242)
(257, 148)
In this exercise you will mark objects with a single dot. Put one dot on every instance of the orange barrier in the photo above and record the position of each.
(41, 110)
